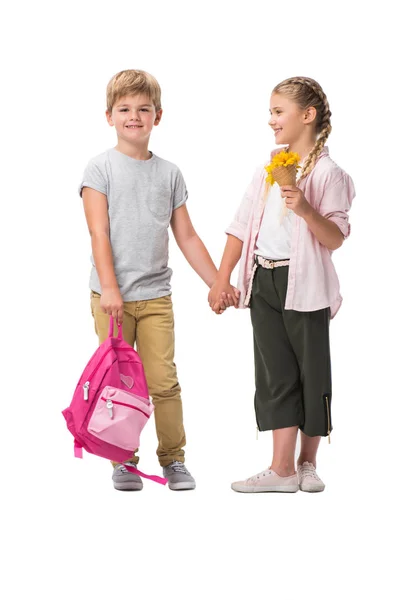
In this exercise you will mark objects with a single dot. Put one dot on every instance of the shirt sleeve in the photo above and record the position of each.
(336, 203)
(238, 226)
(180, 192)
(93, 178)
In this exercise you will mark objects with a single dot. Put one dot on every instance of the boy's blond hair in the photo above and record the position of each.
(130, 83)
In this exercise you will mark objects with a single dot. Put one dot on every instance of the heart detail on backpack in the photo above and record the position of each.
(127, 380)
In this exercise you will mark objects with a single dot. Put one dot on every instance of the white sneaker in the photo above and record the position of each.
(308, 478)
(267, 481)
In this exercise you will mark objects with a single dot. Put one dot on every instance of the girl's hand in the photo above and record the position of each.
(295, 200)
(218, 309)
(112, 304)
(222, 295)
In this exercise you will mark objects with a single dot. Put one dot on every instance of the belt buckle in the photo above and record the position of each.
(270, 264)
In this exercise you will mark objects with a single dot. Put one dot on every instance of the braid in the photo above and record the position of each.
(315, 152)
(307, 92)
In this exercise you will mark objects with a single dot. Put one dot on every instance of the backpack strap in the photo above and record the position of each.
(78, 454)
(155, 478)
(111, 329)
(77, 450)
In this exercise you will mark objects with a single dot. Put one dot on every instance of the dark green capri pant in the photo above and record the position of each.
(292, 359)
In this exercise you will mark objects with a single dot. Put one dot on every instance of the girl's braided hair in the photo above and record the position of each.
(306, 92)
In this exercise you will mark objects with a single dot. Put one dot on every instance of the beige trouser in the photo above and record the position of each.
(150, 323)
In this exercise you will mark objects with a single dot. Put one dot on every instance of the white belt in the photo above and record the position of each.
(271, 264)
(266, 264)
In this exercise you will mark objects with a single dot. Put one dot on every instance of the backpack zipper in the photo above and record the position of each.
(86, 385)
(86, 390)
(89, 412)
(110, 404)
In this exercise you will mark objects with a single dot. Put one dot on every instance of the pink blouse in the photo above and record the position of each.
(312, 281)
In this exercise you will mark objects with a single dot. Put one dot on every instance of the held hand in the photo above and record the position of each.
(295, 200)
(218, 309)
(112, 304)
(228, 299)
(222, 295)
(223, 303)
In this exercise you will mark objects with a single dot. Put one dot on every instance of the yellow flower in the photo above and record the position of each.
(282, 159)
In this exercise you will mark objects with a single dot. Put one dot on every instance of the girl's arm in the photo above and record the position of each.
(96, 212)
(330, 224)
(194, 250)
(233, 248)
(230, 258)
(326, 231)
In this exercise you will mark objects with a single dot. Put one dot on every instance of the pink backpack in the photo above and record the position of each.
(111, 403)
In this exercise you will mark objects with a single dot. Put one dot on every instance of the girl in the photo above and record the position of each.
(287, 278)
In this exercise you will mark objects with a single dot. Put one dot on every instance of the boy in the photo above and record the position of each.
(130, 198)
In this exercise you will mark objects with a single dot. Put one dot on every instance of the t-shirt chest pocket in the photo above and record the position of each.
(159, 199)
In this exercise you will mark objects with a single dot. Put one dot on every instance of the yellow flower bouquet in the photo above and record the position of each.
(283, 170)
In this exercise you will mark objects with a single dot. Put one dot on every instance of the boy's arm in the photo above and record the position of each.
(196, 253)
(96, 212)
(191, 245)
(230, 258)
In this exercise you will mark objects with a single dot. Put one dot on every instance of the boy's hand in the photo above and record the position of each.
(111, 303)
(295, 200)
(218, 309)
(225, 301)
(222, 295)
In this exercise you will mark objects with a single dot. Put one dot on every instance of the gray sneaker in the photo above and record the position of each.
(126, 481)
(178, 476)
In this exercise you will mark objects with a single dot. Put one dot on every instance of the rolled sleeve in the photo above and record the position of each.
(239, 224)
(93, 178)
(336, 203)
(180, 191)
(237, 229)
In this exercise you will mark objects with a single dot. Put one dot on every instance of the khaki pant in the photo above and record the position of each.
(150, 324)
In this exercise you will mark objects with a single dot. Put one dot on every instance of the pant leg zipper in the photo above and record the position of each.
(328, 418)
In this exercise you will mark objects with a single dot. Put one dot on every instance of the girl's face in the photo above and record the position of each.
(288, 121)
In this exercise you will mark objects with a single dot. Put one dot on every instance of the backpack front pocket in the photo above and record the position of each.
(119, 417)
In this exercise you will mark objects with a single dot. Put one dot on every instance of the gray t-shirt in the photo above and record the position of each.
(141, 196)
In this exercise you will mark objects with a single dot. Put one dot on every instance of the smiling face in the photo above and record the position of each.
(134, 118)
(288, 120)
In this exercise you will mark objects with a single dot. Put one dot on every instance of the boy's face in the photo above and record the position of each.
(134, 118)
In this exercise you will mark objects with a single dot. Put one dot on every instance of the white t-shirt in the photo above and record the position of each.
(275, 235)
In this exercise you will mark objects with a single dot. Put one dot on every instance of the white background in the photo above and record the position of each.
(66, 532)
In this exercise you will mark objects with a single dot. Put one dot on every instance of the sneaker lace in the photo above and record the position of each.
(179, 467)
(253, 478)
(123, 468)
(309, 471)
